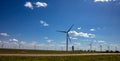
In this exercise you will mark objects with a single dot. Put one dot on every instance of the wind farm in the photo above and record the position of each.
(18, 45)
(60, 30)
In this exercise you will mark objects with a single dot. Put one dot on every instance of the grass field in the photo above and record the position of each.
(53, 58)
(63, 58)
(25, 51)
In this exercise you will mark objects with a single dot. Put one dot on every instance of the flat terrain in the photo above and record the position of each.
(62, 58)
(85, 54)
(49, 55)
(27, 51)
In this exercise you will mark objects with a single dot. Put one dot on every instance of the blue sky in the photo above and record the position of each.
(36, 22)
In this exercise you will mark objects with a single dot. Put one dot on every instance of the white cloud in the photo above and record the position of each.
(49, 41)
(28, 5)
(103, 0)
(22, 42)
(44, 23)
(41, 4)
(92, 29)
(87, 35)
(55, 46)
(32, 5)
(13, 40)
(79, 28)
(101, 41)
(4, 34)
(73, 38)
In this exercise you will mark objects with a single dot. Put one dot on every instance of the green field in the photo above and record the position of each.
(53, 58)
(63, 58)
(26, 51)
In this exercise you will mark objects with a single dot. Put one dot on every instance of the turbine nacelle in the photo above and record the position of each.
(67, 30)
(67, 36)
(62, 31)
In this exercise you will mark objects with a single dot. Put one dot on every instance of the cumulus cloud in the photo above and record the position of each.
(32, 5)
(92, 29)
(13, 40)
(79, 28)
(82, 34)
(41, 4)
(44, 23)
(53, 46)
(4, 34)
(74, 38)
(103, 0)
(28, 5)
(12, 43)
(49, 41)
(21, 42)
(101, 41)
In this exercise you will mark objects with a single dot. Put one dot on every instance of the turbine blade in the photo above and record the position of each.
(69, 38)
(70, 28)
(62, 31)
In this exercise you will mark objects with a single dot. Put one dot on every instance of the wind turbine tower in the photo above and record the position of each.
(115, 48)
(67, 36)
(90, 46)
(108, 48)
(101, 48)
(19, 44)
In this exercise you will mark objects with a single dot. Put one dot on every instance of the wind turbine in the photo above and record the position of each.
(67, 36)
(108, 48)
(90, 46)
(2, 44)
(19, 44)
(115, 48)
(101, 48)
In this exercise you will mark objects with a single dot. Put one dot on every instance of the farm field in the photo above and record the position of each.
(62, 58)
(27, 51)
(114, 57)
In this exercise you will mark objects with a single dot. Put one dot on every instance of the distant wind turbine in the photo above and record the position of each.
(115, 48)
(2, 44)
(19, 44)
(101, 48)
(90, 46)
(108, 48)
(67, 36)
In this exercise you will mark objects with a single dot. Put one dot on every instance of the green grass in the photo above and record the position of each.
(53, 58)
(25, 51)
(63, 58)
